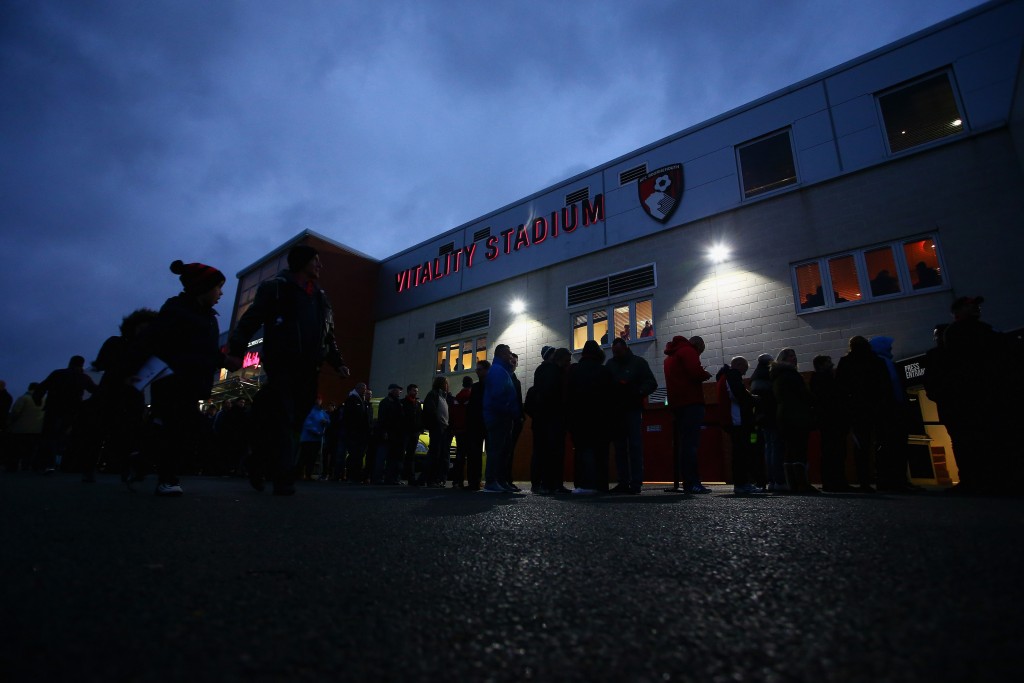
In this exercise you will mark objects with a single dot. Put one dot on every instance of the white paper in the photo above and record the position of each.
(152, 370)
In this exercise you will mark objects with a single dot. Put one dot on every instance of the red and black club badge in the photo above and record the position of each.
(660, 191)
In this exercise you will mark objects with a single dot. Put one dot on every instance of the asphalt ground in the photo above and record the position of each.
(367, 583)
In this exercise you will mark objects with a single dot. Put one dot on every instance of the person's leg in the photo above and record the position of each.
(693, 418)
(635, 442)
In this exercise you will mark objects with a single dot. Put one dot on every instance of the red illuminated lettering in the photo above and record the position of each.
(554, 224)
(540, 230)
(251, 360)
(522, 238)
(593, 213)
(470, 252)
(566, 225)
(492, 248)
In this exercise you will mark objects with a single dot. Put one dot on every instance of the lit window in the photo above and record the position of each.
(922, 261)
(869, 274)
(632, 321)
(881, 266)
(460, 356)
(920, 112)
(845, 282)
(767, 164)
(810, 291)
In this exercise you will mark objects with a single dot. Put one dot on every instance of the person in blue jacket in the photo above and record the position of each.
(501, 410)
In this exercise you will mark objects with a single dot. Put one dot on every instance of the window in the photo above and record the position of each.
(878, 272)
(460, 356)
(920, 112)
(766, 164)
(632, 321)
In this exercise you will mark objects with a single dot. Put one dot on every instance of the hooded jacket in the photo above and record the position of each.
(684, 374)
(500, 397)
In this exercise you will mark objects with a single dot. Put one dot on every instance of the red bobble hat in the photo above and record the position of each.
(197, 278)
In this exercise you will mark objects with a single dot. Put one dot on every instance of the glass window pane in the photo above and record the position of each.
(601, 326)
(579, 331)
(845, 283)
(809, 288)
(645, 318)
(467, 356)
(767, 165)
(453, 357)
(881, 265)
(920, 113)
(923, 263)
(481, 349)
(621, 319)
(439, 366)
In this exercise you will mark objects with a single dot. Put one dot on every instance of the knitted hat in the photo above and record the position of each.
(547, 352)
(197, 278)
(300, 255)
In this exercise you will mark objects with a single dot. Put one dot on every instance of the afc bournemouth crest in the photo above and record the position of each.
(661, 191)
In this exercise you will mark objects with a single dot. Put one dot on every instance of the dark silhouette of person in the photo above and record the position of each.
(64, 390)
(116, 411)
(185, 335)
(548, 419)
(588, 398)
(832, 423)
(298, 337)
(794, 409)
(884, 283)
(816, 299)
(926, 276)
(864, 386)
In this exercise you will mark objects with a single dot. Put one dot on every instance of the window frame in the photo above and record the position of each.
(957, 102)
(788, 132)
(460, 341)
(608, 308)
(902, 274)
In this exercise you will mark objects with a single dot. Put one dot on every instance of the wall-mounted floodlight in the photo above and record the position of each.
(517, 306)
(718, 253)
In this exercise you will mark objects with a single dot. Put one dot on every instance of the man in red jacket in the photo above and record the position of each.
(684, 376)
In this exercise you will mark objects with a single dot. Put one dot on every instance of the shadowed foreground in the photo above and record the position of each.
(373, 583)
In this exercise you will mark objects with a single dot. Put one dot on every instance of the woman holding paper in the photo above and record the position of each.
(185, 336)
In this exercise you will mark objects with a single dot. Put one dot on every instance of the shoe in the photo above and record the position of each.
(561, 491)
(169, 490)
(512, 487)
(494, 487)
(619, 488)
(583, 492)
(864, 488)
(49, 470)
(257, 483)
(747, 490)
(842, 488)
(539, 491)
(698, 488)
(635, 490)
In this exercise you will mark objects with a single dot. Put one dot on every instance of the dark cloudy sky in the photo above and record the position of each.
(136, 133)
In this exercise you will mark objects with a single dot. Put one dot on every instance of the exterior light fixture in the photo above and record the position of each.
(517, 306)
(718, 253)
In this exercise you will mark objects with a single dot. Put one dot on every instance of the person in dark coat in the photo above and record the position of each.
(831, 420)
(980, 408)
(459, 424)
(517, 426)
(632, 383)
(476, 428)
(795, 413)
(436, 417)
(184, 335)
(589, 403)
(547, 399)
(115, 426)
(357, 420)
(390, 424)
(864, 385)
(769, 469)
(298, 337)
(892, 456)
(736, 417)
(412, 425)
(64, 391)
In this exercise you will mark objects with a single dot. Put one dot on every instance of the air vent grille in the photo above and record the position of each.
(466, 323)
(612, 285)
(632, 174)
(577, 196)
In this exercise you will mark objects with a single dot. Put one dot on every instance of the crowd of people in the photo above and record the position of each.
(286, 432)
